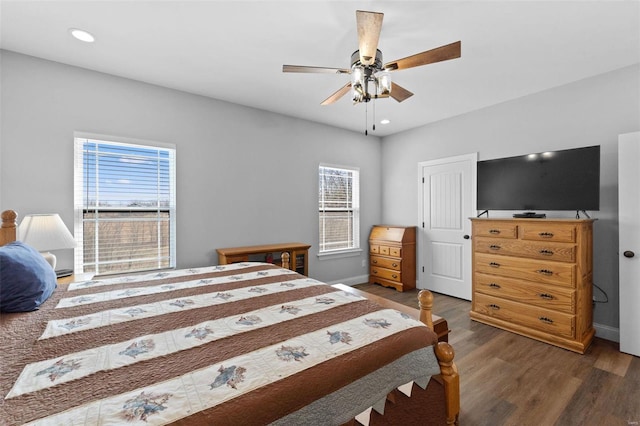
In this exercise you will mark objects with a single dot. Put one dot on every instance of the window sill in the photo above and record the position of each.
(337, 254)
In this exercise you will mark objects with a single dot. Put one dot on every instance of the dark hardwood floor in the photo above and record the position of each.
(507, 379)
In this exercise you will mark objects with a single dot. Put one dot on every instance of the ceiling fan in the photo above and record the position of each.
(370, 78)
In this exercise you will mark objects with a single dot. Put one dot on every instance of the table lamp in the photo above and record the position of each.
(46, 232)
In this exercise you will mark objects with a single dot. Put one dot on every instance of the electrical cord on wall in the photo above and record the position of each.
(606, 297)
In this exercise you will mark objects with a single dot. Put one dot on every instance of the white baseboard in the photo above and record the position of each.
(607, 332)
(352, 280)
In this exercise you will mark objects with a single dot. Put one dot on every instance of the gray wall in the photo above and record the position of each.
(244, 176)
(593, 111)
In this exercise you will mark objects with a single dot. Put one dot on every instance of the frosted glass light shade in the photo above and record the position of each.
(383, 80)
(357, 84)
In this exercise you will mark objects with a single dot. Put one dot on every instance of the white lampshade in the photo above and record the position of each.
(46, 232)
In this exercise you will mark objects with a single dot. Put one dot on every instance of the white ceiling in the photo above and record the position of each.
(234, 50)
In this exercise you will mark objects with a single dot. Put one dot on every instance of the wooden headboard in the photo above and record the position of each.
(9, 226)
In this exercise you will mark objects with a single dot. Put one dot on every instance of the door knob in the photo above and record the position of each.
(466, 237)
(629, 254)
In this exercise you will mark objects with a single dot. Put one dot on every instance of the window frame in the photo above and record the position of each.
(80, 138)
(354, 249)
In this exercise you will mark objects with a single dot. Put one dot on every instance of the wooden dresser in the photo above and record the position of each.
(392, 256)
(534, 277)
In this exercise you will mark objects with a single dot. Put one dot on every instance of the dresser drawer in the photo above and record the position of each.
(545, 296)
(395, 252)
(563, 252)
(385, 262)
(548, 232)
(528, 269)
(385, 250)
(546, 320)
(386, 274)
(495, 229)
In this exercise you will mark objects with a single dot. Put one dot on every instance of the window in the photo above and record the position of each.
(339, 208)
(124, 206)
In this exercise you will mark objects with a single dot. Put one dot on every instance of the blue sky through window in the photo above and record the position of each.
(123, 175)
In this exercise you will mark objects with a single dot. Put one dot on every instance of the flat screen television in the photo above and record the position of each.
(557, 180)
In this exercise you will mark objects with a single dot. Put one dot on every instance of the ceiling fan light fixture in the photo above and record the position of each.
(383, 84)
(358, 84)
(359, 94)
(362, 74)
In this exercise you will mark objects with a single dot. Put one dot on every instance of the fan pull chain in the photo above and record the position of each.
(366, 117)
(374, 115)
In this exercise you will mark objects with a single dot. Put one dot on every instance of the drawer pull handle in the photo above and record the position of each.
(494, 247)
(494, 285)
(545, 234)
(545, 272)
(546, 252)
(374, 271)
(374, 261)
(546, 296)
(395, 265)
(494, 231)
(394, 276)
(494, 265)
(494, 307)
(546, 320)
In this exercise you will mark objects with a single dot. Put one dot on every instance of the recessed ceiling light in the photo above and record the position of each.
(385, 121)
(82, 35)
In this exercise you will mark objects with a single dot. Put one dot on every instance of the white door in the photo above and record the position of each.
(629, 251)
(447, 200)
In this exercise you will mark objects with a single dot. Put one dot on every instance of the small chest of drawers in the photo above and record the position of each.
(534, 277)
(392, 256)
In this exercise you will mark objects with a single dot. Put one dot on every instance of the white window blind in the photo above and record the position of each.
(339, 208)
(124, 207)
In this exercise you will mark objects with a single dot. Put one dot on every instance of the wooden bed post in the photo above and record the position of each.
(285, 259)
(425, 301)
(444, 352)
(8, 229)
(450, 380)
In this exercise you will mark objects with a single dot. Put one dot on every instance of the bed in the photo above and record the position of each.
(247, 343)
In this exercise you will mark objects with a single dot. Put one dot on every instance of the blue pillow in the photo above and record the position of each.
(26, 278)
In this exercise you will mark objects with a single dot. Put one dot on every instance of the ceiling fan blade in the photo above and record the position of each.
(442, 53)
(399, 93)
(369, 26)
(337, 95)
(320, 70)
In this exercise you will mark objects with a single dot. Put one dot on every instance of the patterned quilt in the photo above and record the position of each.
(245, 343)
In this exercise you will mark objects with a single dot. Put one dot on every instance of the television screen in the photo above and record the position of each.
(556, 180)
